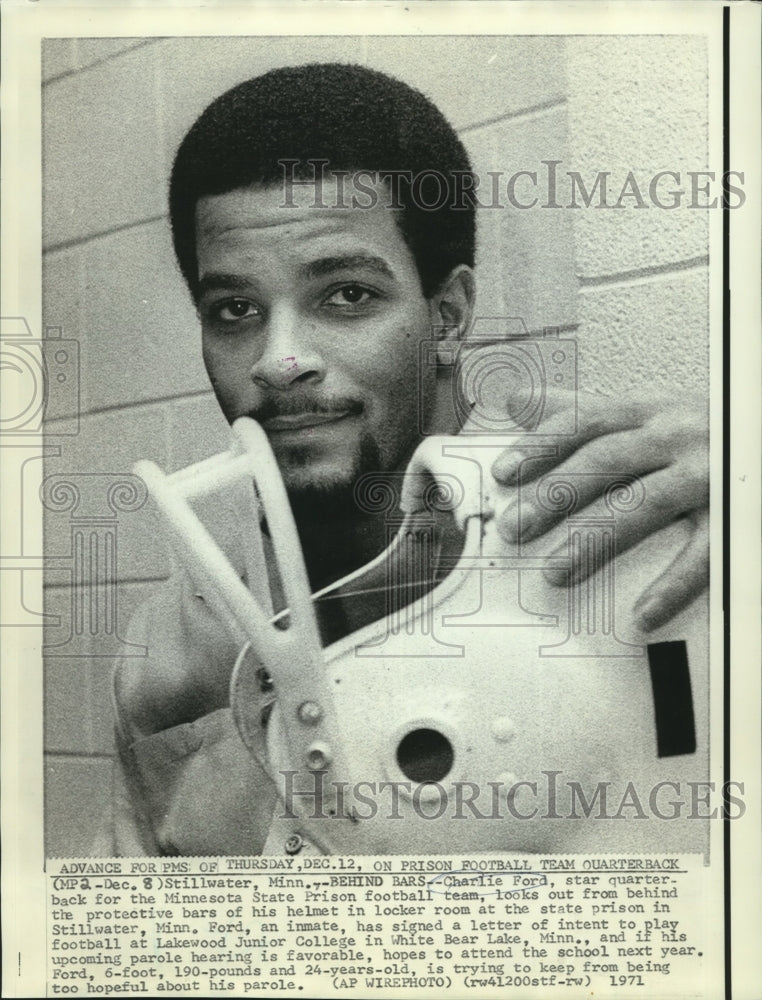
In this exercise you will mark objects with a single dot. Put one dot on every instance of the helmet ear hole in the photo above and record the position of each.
(425, 755)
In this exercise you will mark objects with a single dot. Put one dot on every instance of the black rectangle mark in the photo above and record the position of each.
(673, 700)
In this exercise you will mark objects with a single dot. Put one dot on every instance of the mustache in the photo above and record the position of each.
(301, 404)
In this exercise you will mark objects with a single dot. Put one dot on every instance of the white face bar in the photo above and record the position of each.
(293, 657)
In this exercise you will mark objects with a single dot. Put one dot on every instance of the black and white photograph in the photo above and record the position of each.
(531, 348)
(375, 417)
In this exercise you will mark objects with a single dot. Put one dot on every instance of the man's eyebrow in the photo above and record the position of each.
(216, 281)
(351, 262)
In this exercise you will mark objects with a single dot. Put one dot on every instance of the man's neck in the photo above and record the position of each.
(335, 544)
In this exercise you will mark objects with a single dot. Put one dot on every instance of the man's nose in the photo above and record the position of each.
(289, 355)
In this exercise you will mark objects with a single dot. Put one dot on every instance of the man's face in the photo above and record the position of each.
(311, 321)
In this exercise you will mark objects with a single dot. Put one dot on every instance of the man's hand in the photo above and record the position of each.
(662, 440)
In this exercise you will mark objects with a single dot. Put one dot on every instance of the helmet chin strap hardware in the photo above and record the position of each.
(292, 656)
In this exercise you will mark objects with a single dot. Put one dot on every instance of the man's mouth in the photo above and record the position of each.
(300, 421)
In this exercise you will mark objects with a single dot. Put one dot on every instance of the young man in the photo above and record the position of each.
(318, 264)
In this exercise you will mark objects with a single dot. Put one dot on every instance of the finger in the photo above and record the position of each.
(681, 582)
(504, 418)
(666, 498)
(572, 424)
(593, 469)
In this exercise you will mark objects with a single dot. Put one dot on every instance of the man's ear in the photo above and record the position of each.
(451, 308)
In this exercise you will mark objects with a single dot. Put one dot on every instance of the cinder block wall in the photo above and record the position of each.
(632, 288)
(640, 104)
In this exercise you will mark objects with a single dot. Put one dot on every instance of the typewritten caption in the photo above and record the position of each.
(247, 926)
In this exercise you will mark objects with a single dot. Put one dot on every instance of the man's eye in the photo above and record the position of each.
(350, 295)
(232, 310)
